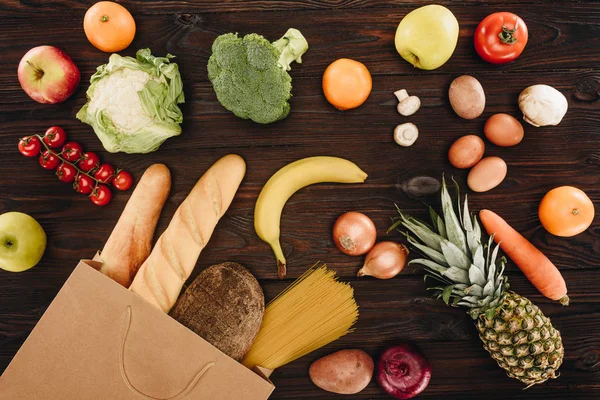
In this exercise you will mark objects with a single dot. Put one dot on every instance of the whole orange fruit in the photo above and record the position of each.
(109, 26)
(347, 84)
(566, 211)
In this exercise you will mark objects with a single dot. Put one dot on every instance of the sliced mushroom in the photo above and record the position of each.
(406, 134)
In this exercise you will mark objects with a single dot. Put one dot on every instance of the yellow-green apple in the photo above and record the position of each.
(22, 241)
(48, 75)
(426, 37)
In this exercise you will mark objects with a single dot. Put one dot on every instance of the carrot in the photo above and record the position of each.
(535, 265)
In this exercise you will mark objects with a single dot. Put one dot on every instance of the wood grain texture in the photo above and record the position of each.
(562, 52)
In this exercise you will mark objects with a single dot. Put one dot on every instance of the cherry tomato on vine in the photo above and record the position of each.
(105, 174)
(84, 184)
(55, 137)
(101, 195)
(66, 173)
(501, 37)
(49, 160)
(89, 161)
(72, 151)
(123, 180)
(30, 146)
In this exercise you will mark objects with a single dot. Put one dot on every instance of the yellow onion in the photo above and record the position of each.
(354, 233)
(385, 260)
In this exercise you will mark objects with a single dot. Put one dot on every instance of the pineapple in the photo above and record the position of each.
(513, 330)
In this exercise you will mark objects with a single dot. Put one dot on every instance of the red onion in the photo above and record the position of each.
(402, 371)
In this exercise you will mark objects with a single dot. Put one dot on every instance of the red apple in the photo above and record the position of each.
(48, 75)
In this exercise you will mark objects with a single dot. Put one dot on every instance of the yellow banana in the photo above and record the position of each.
(287, 181)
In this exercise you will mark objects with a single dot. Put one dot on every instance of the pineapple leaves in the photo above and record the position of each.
(476, 229)
(429, 264)
(429, 238)
(453, 227)
(467, 268)
(396, 223)
(442, 228)
(466, 217)
(474, 290)
(491, 270)
(457, 188)
(488, 289)
(478, 259)
(454, 256)
(434, 218)
(427, 251)
(438, 223)
(456, 274)
(447, 293)
(476, 276)
(493, 259)
(473, 237)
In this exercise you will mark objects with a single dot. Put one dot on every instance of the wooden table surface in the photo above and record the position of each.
(563, 51)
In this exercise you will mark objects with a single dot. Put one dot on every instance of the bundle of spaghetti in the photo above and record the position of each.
(313, 311)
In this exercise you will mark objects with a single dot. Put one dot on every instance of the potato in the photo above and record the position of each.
(467, 97)
(343, 372)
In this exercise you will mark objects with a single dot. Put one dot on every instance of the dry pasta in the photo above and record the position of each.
(313, 311)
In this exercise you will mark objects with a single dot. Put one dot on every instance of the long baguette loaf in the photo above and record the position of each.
(130, 242)
(174, 256)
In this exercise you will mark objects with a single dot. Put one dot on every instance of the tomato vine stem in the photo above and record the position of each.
(79, 171)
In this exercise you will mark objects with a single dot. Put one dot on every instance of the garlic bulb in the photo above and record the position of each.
(542, 105)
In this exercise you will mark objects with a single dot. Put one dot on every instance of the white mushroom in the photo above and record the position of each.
(542, 105)
(406, 134)
(409, 106)
(401, 94)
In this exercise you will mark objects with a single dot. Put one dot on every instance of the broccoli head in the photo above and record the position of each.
(249, 74)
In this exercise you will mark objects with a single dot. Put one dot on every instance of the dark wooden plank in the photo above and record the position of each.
(562, 52)
(211, 132)
(556, 35)
(33, 7)
(399, 310)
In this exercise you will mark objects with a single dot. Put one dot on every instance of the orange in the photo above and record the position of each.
(347, 83)
(109, 26)
(566, 211)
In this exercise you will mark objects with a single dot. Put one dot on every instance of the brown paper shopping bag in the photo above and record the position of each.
(98, 340)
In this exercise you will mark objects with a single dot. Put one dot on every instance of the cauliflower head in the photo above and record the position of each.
(133, 102)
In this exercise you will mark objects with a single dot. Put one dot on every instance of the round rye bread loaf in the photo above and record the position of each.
(225, 306)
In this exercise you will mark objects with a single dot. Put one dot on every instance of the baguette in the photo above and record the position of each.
(174, 256)
(130, 242)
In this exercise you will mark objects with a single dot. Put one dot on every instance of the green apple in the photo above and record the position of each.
(22, 242)
(426, 37)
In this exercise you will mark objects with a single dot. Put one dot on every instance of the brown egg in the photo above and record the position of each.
(503, 130)
(467, 97)
(487, 174)
(466, 151)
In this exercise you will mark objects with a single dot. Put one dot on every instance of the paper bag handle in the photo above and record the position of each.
(138, 392)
